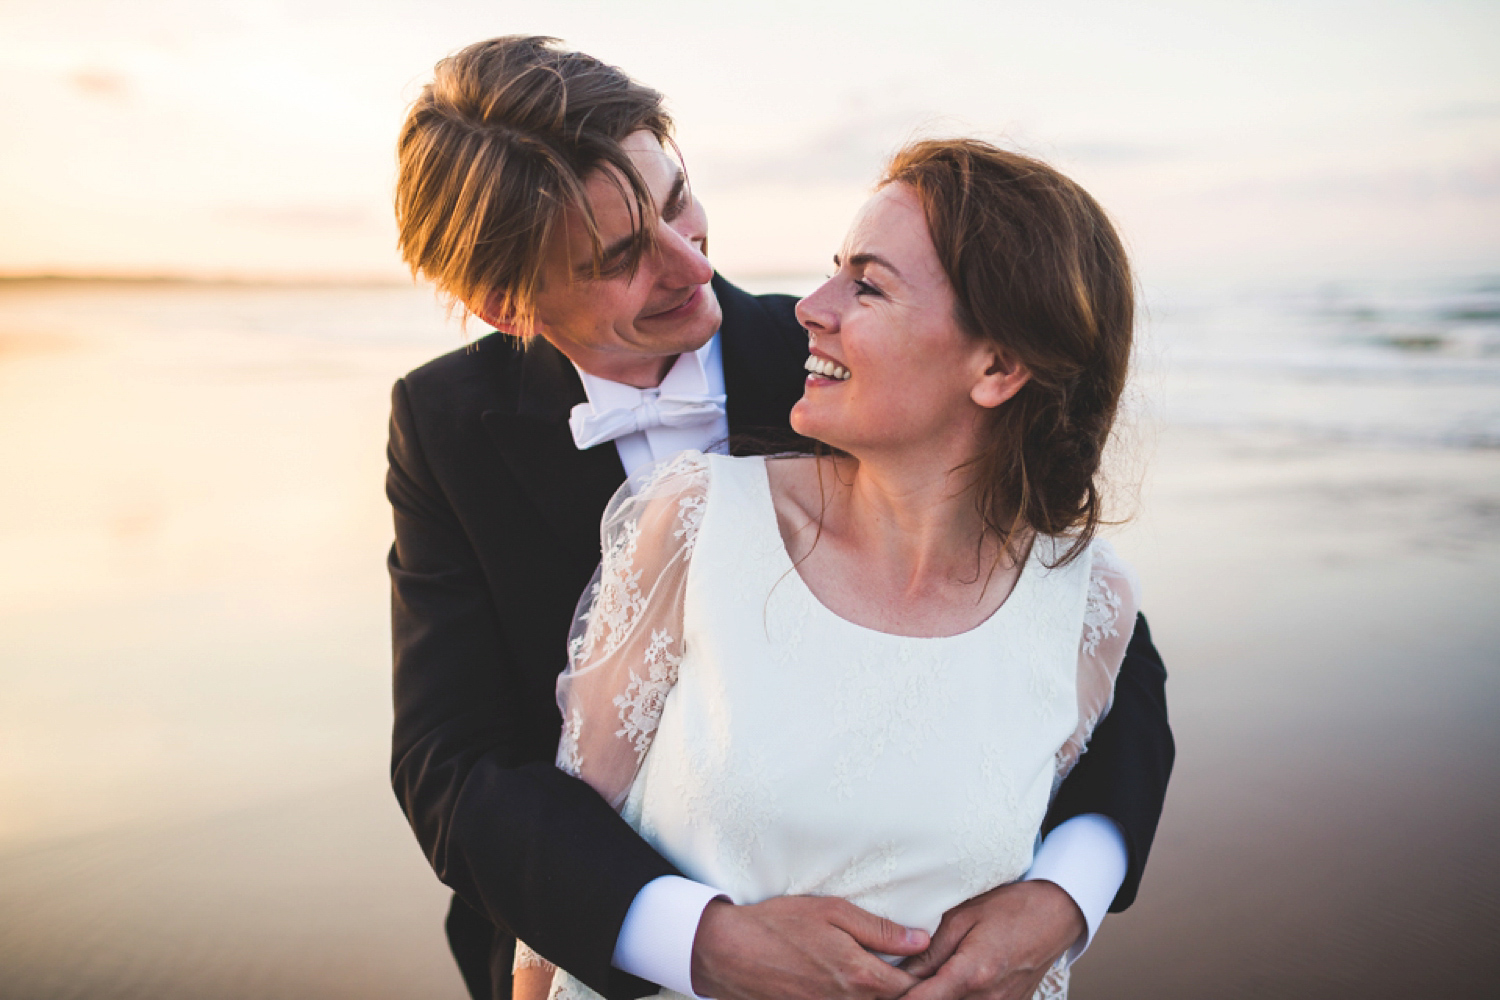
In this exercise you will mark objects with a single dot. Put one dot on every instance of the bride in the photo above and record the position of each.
(774, 645)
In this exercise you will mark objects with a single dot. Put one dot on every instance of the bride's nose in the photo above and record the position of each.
(816, 312)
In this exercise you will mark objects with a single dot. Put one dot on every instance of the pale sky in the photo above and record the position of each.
(254, 137)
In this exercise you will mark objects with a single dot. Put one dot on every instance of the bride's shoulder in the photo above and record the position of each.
(1105, 562)
(789, 470)
(1114, 596)
(686, 471)
(796, 492)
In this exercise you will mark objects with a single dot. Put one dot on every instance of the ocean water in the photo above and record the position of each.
(1386, 362)
(1405, 364)
(194, 664)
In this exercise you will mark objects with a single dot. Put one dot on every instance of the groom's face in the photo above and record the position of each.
(623, 326)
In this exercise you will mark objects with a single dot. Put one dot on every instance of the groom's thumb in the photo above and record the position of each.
(882, 935)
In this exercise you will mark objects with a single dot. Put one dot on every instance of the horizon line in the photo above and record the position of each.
(274, 280)
(188, 278)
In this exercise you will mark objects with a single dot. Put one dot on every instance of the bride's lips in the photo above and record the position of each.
(682, 308)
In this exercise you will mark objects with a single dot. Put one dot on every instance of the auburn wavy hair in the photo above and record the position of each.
(1037, 270)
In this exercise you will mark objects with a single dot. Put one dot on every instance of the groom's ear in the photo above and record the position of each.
(1002, 377)
(492, 312)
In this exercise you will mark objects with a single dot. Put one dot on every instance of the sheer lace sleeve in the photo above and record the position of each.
(626, 641)
(1108, 620)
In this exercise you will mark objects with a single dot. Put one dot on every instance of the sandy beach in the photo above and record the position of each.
(193, 692)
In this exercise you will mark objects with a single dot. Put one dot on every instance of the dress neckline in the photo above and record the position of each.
(767, 522)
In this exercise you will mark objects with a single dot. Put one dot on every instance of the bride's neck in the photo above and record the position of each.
(918, 519)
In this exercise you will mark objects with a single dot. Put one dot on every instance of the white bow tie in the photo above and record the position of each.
(665, 410)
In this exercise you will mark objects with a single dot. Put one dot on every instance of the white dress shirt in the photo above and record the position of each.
(1085, 856)
(698, 373)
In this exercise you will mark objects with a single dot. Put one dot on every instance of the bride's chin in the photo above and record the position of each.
(804, 421)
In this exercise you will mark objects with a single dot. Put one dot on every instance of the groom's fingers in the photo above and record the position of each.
(969, 978)
(954, 980)
(998, 945)
(955, 924)
(796, 948)
(877, 933)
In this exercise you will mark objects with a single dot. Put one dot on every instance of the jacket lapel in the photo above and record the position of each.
(570, 488)
(763, 356)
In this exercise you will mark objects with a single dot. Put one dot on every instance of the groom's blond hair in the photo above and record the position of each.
(493, 153)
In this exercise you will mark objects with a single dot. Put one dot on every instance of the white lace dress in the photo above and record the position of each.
(767, 746)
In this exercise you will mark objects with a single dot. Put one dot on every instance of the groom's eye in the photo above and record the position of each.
(678, 201)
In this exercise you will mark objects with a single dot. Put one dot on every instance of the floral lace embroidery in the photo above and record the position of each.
(866, 881)
(617, 600)
(569, 758)
(690, 516)
(641, 704)
(565, 987)
(991, 847)
(1101, 613)
(735, 813)
(885, 703)
(528, 959)
(624, 602)
(1102, 610)
(1054, 985)
(1045, 685)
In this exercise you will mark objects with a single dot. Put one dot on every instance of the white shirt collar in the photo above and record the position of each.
(694, 373)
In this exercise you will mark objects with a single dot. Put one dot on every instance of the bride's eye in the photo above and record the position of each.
(865, 288)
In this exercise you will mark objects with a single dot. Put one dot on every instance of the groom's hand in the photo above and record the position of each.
(997, 946)
(800, 948)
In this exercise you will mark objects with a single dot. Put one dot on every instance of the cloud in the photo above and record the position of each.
(852, 149)
(848, 151)
(101, 83)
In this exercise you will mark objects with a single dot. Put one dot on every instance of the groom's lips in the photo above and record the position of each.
(682, 308)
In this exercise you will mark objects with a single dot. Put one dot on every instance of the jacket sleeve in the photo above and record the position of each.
(534, 850)
(1124, 773)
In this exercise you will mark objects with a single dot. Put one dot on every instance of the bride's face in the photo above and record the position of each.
(898, 372)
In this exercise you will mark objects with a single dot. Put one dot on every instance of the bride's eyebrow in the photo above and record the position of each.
(866, 259)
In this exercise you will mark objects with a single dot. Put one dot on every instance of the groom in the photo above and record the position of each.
(534, 189)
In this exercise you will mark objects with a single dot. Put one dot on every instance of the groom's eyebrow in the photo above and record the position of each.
(613, 253)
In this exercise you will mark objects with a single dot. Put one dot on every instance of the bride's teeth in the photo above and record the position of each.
(826, 368)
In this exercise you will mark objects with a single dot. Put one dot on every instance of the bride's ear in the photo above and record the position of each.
(1002, 377)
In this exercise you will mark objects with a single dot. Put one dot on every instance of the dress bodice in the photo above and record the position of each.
(799, 753)
(794, 752)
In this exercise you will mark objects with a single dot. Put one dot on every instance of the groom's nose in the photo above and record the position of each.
(682, 244)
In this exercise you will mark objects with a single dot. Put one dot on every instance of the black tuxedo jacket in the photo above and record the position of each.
(497, 534)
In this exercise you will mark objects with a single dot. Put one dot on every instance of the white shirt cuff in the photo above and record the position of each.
(656, 940)
(1087, 859)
